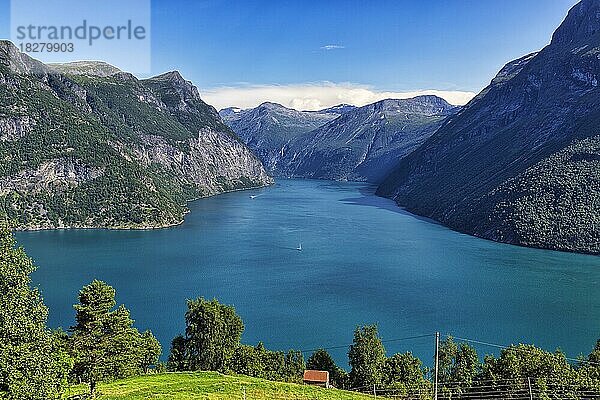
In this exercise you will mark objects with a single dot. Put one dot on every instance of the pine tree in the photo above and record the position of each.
(178, 358)
(321, 360)
(104, 342)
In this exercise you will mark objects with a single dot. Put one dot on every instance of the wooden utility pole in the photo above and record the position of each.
(437, 366)
(530, 391)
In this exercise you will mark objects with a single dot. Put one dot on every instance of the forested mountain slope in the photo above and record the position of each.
(521, 162)
(95, 147)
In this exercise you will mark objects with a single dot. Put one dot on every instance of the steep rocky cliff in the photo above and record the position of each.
(92, 146)
(520, 163)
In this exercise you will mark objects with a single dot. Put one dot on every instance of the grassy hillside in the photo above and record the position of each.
(213, 386)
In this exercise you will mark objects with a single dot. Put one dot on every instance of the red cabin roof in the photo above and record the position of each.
(316, 376)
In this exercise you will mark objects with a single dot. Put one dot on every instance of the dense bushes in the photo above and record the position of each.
(214, 330)
(371, 368)
(519, 370)
(259, 362)
(212, 343)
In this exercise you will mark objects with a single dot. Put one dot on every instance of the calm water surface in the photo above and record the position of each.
(363, 261)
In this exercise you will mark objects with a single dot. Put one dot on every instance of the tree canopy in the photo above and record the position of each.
(321, 360)
(32, 365)
(104, 343)
(366, 357)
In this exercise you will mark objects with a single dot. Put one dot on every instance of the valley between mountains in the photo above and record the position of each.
(519, 164)
(86, 145)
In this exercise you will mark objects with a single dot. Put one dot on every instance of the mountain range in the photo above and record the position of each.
(86, 145)
(521, 162)
(342, 142)
(269, 128)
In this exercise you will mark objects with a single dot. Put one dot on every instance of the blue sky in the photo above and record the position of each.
(391, 46)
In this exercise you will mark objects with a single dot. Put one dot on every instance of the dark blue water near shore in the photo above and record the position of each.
(363, 261)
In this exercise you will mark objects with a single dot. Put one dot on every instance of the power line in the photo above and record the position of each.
(383, 341)
(504, 347)
(462, 339)
(517, 388)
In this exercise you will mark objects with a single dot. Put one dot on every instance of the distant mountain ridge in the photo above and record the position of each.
(92, 146)
(342, 142)
(520, 163)
(339, 109)
(365, 143)
(90, 68)
(269, 128)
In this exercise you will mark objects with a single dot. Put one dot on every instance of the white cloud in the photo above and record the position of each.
(316, 96)
(332, 47)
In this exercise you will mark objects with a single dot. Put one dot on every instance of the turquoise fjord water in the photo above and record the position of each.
(363, 261)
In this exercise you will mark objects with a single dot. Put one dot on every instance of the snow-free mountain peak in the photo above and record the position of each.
(339, 109)
(342, 142)
(88, 68)
(18, 62)
(520, 163)
(582, 24)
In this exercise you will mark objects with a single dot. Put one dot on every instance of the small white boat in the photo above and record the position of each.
(299, 248)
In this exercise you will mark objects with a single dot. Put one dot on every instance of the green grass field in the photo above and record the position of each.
(213, 386)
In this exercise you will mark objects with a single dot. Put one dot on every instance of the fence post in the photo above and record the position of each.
(374, 391)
